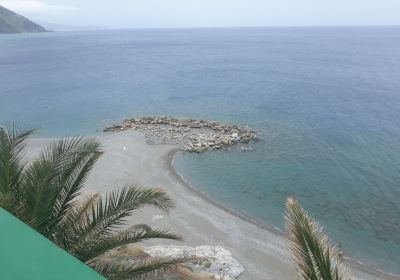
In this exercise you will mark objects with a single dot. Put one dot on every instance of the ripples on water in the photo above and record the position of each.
(327, 101)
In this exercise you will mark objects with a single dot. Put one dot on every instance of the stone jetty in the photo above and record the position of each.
(192, 135)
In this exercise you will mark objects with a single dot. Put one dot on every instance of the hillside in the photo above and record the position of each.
(11, 22)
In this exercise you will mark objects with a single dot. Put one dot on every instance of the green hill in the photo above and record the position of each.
(11, 22)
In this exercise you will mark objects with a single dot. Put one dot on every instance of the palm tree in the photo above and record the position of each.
(313, 254)
(44, 194)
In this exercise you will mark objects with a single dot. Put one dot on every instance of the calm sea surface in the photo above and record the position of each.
(325, 100)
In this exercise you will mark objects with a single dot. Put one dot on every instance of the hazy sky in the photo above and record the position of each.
(207, 13)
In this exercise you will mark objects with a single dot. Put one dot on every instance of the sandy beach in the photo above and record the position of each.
(129, 160)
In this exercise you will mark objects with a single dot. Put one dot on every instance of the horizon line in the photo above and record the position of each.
(226, 27)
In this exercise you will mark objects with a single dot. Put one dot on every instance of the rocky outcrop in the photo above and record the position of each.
(193, 135)
(214, 262)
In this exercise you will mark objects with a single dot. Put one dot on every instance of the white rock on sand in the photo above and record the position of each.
(217, 261)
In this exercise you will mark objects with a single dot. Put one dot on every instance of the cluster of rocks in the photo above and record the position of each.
(193, 135)
(214, 262)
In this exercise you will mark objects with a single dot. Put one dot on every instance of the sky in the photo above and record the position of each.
(208, 13)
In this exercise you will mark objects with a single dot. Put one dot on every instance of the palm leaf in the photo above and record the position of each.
(315, 257)
(80, 161)
(55, 179)
(110, 212)
(140, 270)
(68, 225)
(92, 249)
(12, 144)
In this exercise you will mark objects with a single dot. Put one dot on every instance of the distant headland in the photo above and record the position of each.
(11, 22)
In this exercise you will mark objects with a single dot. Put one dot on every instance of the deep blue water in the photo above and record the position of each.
(326, 101)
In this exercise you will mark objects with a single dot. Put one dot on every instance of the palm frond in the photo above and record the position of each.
(313, 254)
(39, 189)
(92, 249)
(140, 270)
(55, 179)
(12, 144)
(80, 159)
(110, 212)
(65, 233)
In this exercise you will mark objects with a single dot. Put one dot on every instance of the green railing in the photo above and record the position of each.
(26, 254)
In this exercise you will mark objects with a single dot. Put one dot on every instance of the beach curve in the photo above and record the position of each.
(128, 160)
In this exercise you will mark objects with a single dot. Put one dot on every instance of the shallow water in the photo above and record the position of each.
(325, 100)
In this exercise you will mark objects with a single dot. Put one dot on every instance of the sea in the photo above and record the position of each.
(324, 100)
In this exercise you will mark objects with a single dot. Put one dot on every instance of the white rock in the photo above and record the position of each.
(218, 262)
(157, 217)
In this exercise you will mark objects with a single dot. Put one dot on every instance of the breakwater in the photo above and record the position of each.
(192, 135)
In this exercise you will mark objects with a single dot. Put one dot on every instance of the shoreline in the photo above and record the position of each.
(262, 250)
(185, 182)
(354, 263)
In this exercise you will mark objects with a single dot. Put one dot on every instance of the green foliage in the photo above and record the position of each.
(44, 194)
(315, 257)
(206, 263)
(145, 269)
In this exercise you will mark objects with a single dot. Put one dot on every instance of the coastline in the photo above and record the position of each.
(185, 182)
(353, 263)
(129, 159)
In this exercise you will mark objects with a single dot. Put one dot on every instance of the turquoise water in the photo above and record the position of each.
(326, 102)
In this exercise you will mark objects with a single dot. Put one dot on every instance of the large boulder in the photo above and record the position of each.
(213, 261)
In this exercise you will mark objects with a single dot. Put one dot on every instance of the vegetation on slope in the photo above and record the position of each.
(11, 22)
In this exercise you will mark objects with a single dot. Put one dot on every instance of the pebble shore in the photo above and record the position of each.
(192, 135)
